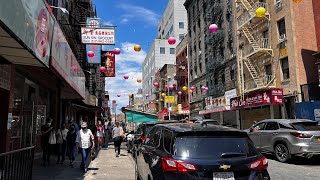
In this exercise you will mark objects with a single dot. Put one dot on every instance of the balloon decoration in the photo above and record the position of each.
(172, 40)
(171, 87)
(184, 88)
(156, 84)
(116, 51)
(126, 76)
(179, 93)
(192, 88)
(102, 69)
(90, 53)
(261, 12)
(137, 48)
(213, 28)
(139, 80)
(163, 94)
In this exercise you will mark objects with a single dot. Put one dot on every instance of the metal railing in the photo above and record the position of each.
(268, 80)
(248, 15)
(17, 165)
(263, 43)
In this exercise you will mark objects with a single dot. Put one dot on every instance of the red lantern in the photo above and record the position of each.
(192, 88)
(203, 88)
(172, 40)
(125, 76)
(179, 93)
(147, 95)
(156, 84)
(102, 69)
(207, 89)
(171, 87)
(213, 28)
(90, 54)
(116, 51)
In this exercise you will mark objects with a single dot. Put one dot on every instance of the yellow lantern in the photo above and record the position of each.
(137, 47)
(130, 95)
(135, 105)
(261, 12)
(184, 88)
(163, 94)
(191, 91)
(139, 80)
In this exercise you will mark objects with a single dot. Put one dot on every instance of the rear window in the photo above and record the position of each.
(213, 147)
(306, 126)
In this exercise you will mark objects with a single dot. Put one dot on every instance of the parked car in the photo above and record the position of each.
(191, 151)
(205, 122)
(286, 137)
(142, 130)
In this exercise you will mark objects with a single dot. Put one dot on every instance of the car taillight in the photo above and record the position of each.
(260, 164)
(172, 165)
(301, 135)
(143, 138)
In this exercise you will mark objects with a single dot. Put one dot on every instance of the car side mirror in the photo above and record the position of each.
(138, 141)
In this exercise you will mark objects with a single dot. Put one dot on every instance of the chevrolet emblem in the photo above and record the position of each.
(225, 167)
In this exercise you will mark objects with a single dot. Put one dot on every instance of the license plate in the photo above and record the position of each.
(223, 176)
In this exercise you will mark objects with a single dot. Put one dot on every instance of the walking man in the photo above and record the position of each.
(117, 135)
(85, 140)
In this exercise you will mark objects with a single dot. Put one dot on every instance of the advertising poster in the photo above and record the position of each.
(108, 61)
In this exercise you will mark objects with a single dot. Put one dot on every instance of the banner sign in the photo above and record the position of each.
(32, 23)
(259, 98)
(105, 36)
(109, 62)
(96, 58)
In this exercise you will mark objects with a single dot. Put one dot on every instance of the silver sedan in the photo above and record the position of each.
(286, 137)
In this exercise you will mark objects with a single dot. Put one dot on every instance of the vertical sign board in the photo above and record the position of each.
(109, 62)
(96, 49)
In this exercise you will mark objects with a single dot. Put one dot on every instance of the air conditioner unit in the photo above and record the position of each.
(282, 38)
(279, 4)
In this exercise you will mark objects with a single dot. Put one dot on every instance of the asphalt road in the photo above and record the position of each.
(298, 169)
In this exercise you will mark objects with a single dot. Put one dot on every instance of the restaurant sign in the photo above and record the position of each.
(105, 36)
(259, 98)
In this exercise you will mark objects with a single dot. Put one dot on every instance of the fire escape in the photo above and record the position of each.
(254, 46)
(214, 43)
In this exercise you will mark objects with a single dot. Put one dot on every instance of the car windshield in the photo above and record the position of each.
(306, 126)
(213, 147)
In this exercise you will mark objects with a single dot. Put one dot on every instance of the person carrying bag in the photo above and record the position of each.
(117, 135)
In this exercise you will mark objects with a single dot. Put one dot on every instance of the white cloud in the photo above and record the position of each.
(124, 20)
(129, 63)
(107, 23)
(140, 13)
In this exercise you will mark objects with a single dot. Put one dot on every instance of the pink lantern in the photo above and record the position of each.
(147, 95)
(192, 88)
(171, 87)
(156, 84)
(207, 88)
(116, 51)
(179, 93)
(172, 40)
(203, 88)
(118, 95)
(127, 105)
(213, 28)
(174, 85)
(102, 69)
(90, 54)
(125, 76)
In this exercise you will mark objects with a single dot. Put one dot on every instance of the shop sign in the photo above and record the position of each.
(65, 63)
(92, 100)
(96, 49)
(229, 95)
(104, 36)
(109, 62)
(283, 52)
(32, 23)
(259, 98)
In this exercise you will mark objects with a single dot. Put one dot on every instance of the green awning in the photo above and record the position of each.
(136, 116)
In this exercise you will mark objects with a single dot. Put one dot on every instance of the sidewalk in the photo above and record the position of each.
(106, 166)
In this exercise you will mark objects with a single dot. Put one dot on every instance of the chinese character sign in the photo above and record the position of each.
(108, 61)
(104, 36)
(96, 58)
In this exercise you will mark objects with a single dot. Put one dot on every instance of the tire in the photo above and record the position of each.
(282, 152)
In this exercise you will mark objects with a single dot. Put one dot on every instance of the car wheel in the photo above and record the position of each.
(282, 153)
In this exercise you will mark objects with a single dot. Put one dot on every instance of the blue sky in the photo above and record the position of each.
(136, 22)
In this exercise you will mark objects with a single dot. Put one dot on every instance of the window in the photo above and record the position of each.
(268, 69)
(258, 127)
(172, 51)
(223, 79)
(162, 50)
(153, 138)
(272, 126)
(215, 78)
(167, 141)
(232, 74)
(281, 27)
(283, 126)
(307, 126)
(181, 36)
(285, 68)
(181, 25)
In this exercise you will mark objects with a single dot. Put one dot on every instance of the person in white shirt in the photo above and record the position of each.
(85, 140)
(117, 135)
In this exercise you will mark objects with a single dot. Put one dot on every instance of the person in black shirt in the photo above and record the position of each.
(45, 134)
(71, 144)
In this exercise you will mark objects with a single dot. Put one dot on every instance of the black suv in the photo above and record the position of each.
(191, 151)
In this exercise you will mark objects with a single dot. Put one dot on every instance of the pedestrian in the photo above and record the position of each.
(59, 145)
(108, 132)
(64, 132)
(71, 144)
(100, 134)
(85, 141)
(117, 135)
(45, 135)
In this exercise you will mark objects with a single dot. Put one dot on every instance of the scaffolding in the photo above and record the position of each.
(254, 47)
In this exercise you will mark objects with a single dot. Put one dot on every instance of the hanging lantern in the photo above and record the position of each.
(203, 88)
(139, 80)
(90, 54)
(172, 40)
(163, 94)
(171, 87)
(190, 91)
(118, 95)
(179, 93)
(192, 88)
(137, 48)
(174, 85)
(127, 105)
(207, 89)
(116, 51)
(147, 95)
(135, 104)
(126, 76)
(213, 28)
(156, 84)
(130, 95)
(102, 69)
(261, 12)
(184, 88)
